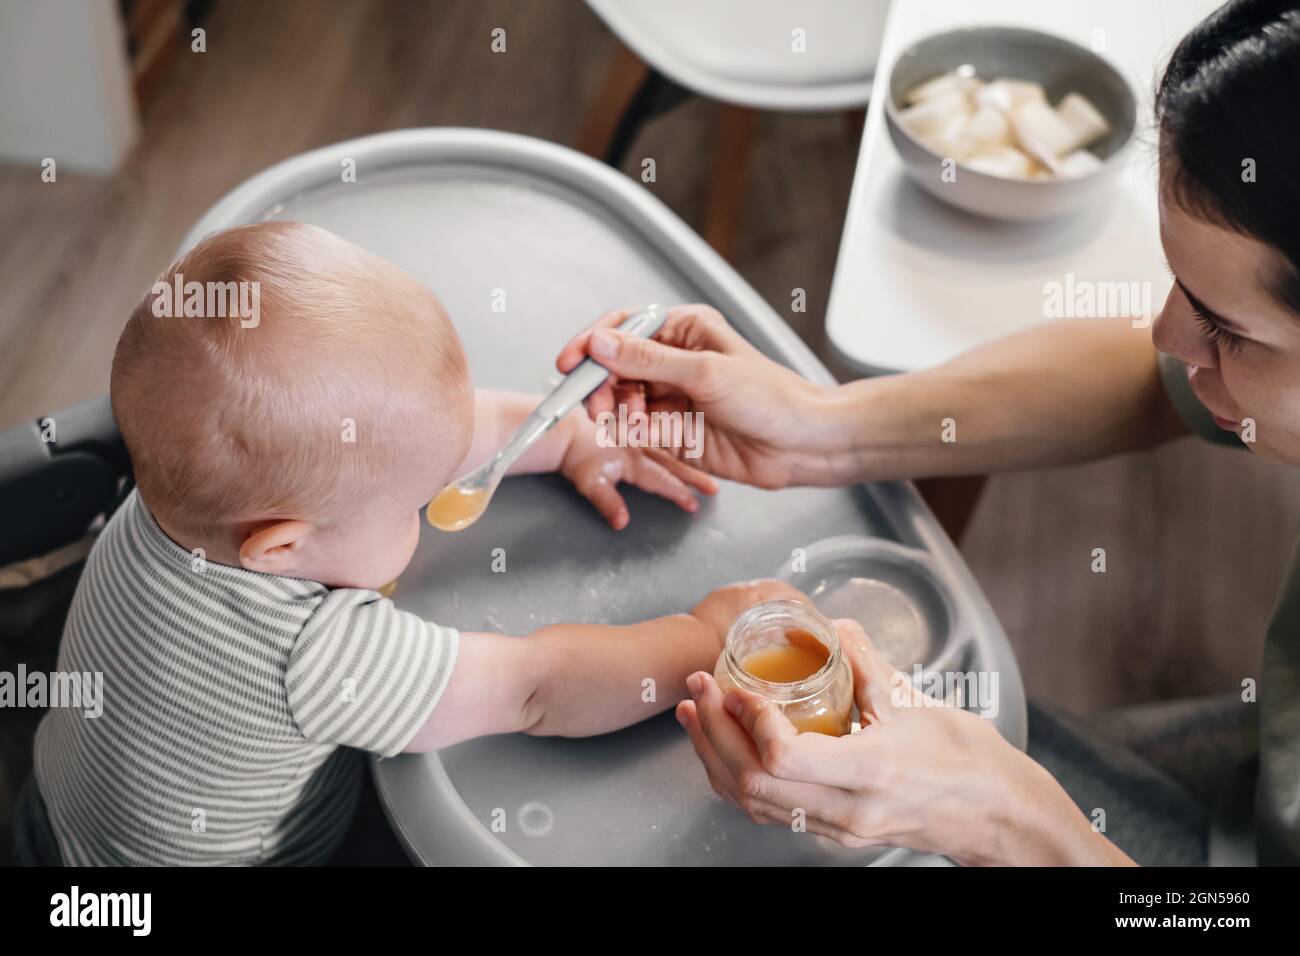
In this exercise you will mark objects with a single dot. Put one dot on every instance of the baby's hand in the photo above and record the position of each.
(596, 472)
(720, 607)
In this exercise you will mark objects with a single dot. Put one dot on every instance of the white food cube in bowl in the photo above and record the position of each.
(1083, 120)
(956, 81)
(951, 141)
(1005, 95)
(1040, 132)
(987, 127)
(937, 114)
(985, 97)
(1005, 161)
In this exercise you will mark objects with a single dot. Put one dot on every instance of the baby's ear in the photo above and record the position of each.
(274, 547)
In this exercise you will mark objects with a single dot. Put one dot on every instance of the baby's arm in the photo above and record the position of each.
(574, 449)
(576, 680)
(496, 416)
(569, 679)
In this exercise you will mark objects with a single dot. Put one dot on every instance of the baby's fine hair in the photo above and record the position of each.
(275, 371)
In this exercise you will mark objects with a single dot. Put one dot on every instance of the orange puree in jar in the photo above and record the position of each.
(787, 663)
(785, 651)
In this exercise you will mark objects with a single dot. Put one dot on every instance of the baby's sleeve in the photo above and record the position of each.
(365, 674)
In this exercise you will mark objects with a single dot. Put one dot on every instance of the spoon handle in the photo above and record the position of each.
(589, 374)
(568, 395)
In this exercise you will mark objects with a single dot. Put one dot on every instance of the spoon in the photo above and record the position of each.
(463, 502)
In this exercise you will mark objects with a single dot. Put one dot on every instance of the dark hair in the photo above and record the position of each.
(1231, 93)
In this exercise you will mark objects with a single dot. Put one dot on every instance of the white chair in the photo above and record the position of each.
(749, 55)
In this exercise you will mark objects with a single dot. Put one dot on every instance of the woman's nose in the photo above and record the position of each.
(1177, 331)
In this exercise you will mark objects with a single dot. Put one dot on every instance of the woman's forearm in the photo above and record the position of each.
(1037, 824)
(1066, 392)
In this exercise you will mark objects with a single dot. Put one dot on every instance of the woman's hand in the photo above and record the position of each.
(763, 424)
(596, 472)
(933, 778)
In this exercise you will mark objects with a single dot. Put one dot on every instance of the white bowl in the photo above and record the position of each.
(1061, 67)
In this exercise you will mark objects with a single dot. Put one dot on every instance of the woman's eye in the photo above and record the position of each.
(1227, 342)
(1221, 337)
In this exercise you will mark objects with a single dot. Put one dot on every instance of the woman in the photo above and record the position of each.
(1225, 363)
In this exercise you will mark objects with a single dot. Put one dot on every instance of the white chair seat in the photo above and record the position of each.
(741, 51)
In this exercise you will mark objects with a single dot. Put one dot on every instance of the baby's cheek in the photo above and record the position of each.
(397, 552)
(412, 538)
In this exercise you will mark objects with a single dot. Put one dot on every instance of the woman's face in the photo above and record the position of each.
(1240, 344)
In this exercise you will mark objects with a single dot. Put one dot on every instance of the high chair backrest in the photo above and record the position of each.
(58, 474)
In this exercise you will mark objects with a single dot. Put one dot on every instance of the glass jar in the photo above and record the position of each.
(788, 653)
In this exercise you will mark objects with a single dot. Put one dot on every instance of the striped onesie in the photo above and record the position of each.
(236, 706)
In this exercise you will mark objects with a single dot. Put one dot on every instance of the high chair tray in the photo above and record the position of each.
(486, 217)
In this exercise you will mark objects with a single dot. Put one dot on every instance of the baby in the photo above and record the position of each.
(282, 460)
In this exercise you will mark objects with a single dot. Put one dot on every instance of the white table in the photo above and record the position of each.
(918, 282)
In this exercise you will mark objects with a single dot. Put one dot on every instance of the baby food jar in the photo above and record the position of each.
(788, 653)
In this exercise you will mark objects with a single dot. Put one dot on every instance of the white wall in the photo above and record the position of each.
(65, 84)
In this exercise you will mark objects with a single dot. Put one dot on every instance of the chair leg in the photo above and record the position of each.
(727, 185)
(632, 95)
(627, 74)
(854, 121)
(953, 500)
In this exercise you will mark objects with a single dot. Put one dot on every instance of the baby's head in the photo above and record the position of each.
(294, 406)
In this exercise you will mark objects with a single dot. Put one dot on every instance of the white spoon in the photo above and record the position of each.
(463, 502)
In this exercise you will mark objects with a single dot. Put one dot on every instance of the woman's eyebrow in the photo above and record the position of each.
(1204, 309)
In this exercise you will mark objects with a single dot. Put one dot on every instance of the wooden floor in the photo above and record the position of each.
(1195, 537)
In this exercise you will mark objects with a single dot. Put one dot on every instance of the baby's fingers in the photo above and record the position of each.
(699, 480)
(629, 397)
(597, 481)
(654, 477)
(601, 401)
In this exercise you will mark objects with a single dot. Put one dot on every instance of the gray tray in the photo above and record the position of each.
(472, 211)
